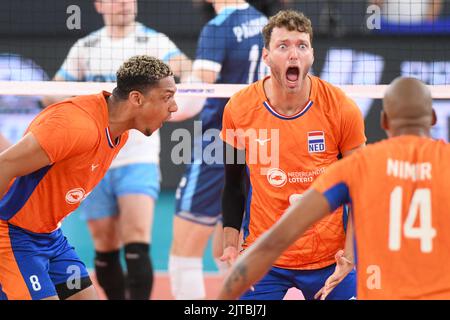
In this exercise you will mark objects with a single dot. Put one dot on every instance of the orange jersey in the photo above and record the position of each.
(75, 135)
(285, 154)
(398, 189)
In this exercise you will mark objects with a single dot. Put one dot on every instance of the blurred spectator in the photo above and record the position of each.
(335, 18)
(412, 17)
(409, 11)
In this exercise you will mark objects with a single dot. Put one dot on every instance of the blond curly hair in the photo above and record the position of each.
(291, 20)
(140, 73)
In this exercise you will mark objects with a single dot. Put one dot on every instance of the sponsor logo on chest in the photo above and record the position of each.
(75, 196)
(276, 177)
(316, 141)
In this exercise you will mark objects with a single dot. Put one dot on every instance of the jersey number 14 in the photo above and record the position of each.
(420, 206)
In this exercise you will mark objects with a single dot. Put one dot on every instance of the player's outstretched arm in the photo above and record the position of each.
(257, 260)
(22, 158)
(4, 143)
(344, 258)
(349, 152)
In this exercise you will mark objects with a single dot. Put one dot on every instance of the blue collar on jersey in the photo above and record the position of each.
(110, 142)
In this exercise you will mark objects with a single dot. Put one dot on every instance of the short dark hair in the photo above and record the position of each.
(140, 73)
(291, 20)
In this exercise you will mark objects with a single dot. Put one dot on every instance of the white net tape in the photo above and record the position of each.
(66, 88)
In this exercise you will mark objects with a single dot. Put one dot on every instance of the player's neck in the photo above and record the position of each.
(119, 32)
(285, 102)
(410, 131)
(117, 118)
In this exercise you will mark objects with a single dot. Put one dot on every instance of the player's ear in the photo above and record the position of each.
(265, 54)
(434, 119)
(135, 97)
(384, 122)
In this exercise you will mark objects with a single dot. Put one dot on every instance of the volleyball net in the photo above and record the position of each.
(205, 90)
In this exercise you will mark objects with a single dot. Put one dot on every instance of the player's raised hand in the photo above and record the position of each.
(343, 267)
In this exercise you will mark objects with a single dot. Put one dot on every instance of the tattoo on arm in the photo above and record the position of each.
(238, 276)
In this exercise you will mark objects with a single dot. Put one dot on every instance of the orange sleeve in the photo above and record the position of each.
(65, 132)
(352, 126)
(335, 182)
(230, 134)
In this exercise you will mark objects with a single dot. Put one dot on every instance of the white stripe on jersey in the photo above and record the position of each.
(200, 64)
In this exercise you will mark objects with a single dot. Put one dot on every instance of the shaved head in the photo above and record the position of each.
(407, 104)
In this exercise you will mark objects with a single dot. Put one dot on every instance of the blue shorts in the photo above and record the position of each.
(37, 265)
(198, 197)
(275, 284)
(142, 178)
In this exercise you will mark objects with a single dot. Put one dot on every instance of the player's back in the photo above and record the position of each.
(231, 44)
(399, 192)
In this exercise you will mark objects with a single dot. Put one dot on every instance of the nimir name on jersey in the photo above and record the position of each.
(406, 170)
(249, 29)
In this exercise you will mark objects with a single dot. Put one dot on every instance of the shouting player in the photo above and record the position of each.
(397, 188)
(291, 126)
(120, 210)
(65, 152)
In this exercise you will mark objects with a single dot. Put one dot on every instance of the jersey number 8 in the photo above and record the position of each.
(35, 283)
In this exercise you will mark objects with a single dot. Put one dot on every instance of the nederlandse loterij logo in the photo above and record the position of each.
(316, 141)
(75, 195)
(276, 177)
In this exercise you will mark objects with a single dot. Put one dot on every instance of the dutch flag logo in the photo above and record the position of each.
(316, 141)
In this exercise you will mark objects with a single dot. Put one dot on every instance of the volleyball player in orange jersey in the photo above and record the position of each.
(398, 189)
(304, 124)
(65, 152)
